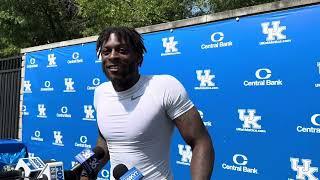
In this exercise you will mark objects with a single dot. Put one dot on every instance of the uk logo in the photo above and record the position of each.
(170, 46)
(47, 87)
(42, 111)
(88, 110)
(275, 33)
(52, 61)
(69, 85)
(304, 170)
(32, 63)
(75, 58)
(206, 123)
(95, 83)
(185, 153)
(57, 138)
(206, 80)
(250, 121)
(27, 86)
(217, 41)
(315, 129)
(263, 76)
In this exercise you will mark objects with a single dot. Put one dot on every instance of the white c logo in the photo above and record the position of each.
(105, 173)
(217, 37)
(37, 134)
(64, 109)
(83, 139)
(75, 55)
(267, 71)
(313, 119)
(96, 81)
(32, 61)
(243, 157)
(47, 84)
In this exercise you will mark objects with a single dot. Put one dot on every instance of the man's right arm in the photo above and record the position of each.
(101, 142)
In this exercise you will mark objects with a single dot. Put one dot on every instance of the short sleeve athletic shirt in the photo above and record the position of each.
(138, 123)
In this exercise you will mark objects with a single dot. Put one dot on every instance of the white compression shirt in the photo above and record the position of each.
(137, 123)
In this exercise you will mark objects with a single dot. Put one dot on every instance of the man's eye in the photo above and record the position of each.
(123, 50)
(106, 52)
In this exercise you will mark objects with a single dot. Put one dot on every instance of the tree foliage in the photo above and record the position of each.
(26, 23)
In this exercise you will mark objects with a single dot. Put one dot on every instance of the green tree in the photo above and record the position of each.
(25, 23)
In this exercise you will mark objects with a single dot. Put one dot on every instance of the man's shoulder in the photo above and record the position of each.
(104, 87)
(165, 78)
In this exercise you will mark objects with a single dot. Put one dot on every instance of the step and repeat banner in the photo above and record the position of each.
(255, 81)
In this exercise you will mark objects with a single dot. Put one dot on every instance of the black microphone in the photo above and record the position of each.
(119, 171)
(88, 160)
(13, 174)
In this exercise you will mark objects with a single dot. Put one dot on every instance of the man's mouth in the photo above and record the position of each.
(113, 68)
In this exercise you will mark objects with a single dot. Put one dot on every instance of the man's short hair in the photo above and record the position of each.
(128, 35)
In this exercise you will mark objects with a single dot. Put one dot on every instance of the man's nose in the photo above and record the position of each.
(113, 54)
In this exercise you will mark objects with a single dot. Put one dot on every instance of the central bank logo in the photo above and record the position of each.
(206, 80)
(37, 136)
(27, 86)
(317, 85)
(24, 110)
(82, 142)
(47, 87)
(170, 46)
(206, 123)
(239, 164)
(185, 153)
(104, 175)
(217, 41)
(274, 33)
(95, 83)
(88, 110)
(315, 129)
(57, 138)
(52, 61)
(68, 82)
(250, 121)
(32, 63)
(42, 111)
(304, 170)
(63, 113)
(263, 76)
(75, 58)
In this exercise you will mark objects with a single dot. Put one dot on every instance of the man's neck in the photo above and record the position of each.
(122, 85)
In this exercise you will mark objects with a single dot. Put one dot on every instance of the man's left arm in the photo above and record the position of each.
(196, 135)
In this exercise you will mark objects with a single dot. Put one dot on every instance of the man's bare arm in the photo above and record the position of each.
(196, 135)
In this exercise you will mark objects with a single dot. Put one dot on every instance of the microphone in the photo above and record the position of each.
(120, 172)
(53, 170)
(89, 160)
(30, 167)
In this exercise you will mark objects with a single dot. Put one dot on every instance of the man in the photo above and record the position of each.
(136, 114)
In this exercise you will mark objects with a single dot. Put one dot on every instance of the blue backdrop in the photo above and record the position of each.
(254, 80)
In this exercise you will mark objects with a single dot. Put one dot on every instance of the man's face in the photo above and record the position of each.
(119, 61)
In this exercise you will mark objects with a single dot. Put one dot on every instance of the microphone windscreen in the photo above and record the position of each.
(119, 171)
